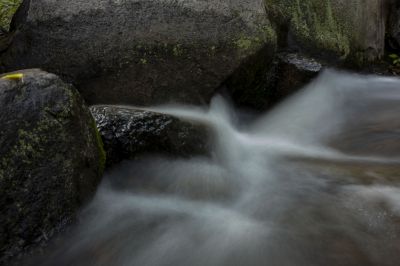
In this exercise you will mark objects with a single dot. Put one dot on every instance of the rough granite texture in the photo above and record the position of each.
(51, 159)
(143, 52)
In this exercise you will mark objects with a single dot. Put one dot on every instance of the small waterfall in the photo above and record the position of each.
(316, 181)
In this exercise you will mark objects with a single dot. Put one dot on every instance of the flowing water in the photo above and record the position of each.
(316, 181)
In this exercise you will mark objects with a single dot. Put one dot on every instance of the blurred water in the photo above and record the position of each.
(316, 181)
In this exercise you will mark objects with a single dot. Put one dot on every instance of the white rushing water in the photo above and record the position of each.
(313, 182)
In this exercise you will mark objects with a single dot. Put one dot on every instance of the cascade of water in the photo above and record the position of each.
(313, 182)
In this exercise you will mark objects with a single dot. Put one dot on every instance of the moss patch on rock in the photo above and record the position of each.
(51, 159)
(266, 36)
(7, 10)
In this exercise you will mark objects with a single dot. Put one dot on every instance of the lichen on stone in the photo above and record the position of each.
(52, 159)
(264, 36)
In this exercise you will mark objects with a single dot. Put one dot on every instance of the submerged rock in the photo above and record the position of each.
(144, 52)
(128, 133)
(51, 158)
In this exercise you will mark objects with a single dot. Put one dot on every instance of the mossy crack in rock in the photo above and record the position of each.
(50, 158)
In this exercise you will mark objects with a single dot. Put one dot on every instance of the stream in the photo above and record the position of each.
(315, 181)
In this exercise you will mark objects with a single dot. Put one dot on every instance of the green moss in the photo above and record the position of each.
(31, 144)
(177, 50)
(143, 61)
(7, 10)
(244, 43)
(269, 34)
(266, 35)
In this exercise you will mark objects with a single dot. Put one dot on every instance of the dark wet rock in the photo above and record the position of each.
(143, 52)
(51, 159)
(5, 39)
(301, 63)
(19, 17)
(293, 72)
(288, 73)
(129, 133)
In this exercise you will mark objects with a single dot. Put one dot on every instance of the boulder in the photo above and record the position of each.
(143, 52)
(129, 133)
(338, 30)
(51, 158)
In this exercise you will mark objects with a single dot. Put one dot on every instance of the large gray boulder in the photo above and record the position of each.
(144, 51)
(51, 159)
(129, 133)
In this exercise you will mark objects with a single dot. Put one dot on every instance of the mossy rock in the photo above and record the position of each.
(51, 159)
(333, 29)
(7, 10)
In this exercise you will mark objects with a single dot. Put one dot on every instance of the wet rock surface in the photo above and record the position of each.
(128, 133)
(51, 159)
(293, 72)
(287, 73)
